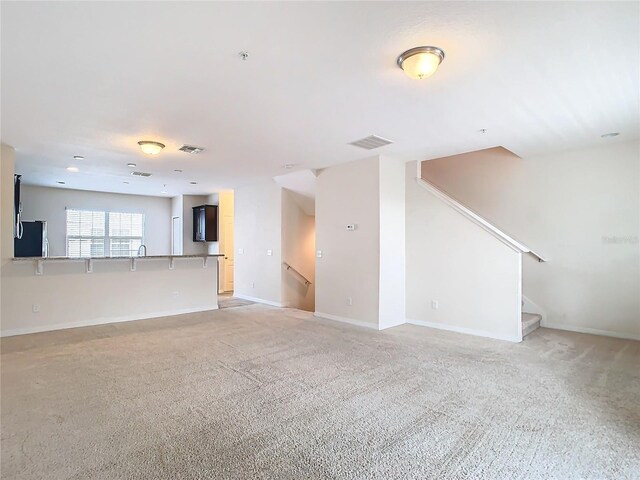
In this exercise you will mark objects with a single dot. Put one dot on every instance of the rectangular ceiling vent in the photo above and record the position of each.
(371, 142)
(140, 174)
(190, 149)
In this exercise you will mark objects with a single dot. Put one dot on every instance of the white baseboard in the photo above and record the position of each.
(591, 331)
(394, 324)
(261, 300)
(465, 330)
(103, 321)
(351, 321)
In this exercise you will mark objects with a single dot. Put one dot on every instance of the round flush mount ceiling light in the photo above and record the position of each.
(72, 169)
(610, 135)
(421, 62)
(78, 157)
(151, 148)
(131, 165)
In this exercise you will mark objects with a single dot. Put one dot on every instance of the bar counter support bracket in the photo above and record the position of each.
(89, 265)
(133, 265)
(39, 267)
(171, 263)
(204, 262)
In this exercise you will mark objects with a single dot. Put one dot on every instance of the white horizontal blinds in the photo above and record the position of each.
(126, 231)
(92, 233)
(85, 233)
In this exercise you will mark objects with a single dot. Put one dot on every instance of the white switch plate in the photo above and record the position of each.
(349, 301)
(352, 227)
(241, 251)
(269, 252)
(434, 304)
(35, 308)
(319, 254)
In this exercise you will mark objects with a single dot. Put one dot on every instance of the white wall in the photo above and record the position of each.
(258, 228)
(49, 204)
(474, 277)
(298, 250)
(350, 263)
(392, 242)
(177, 210)
(579, 208)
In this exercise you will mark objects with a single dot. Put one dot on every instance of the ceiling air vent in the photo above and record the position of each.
(371, 142)
(140, 174)
(190, 149)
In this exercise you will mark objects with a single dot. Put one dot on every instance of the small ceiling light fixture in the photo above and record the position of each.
(126, 183)
(151, 148)
(610, 135)
(131, 165)
(177, 170)
(193, 183)
(61, 183)
(482, 131)
(420, 62)
(78, 157)
(243, 55)
(73, 169)
(289, 166)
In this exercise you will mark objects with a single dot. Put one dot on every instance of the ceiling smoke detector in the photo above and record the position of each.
(140, 174)
(371, 142)
(190, 149)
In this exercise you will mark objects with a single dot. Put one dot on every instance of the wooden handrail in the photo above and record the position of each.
(289, 267)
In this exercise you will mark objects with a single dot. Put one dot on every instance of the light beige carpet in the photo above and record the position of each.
(259, 392)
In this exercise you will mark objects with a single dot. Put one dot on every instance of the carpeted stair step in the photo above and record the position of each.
(530, 322)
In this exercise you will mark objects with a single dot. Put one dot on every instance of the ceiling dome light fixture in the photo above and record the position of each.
(151, 148)
(610, 135)
(420, 62)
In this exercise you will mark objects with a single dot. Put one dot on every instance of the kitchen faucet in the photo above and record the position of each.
(140, 248)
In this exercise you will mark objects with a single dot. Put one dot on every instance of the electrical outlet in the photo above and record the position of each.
(319, 254)
(351, 227)
(434, 304)
(241, 251)
(175, 294)
(269, 252)
(35, 308)
(349, 301)
(253, 284)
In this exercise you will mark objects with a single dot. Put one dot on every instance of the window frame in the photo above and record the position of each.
(106, 238)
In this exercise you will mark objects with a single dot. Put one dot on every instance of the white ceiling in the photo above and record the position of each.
(92, 79)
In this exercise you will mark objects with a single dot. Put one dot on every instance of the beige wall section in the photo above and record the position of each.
(298, 250)
(474, 277)
(579, 208)
(7, 169)
(189, 247)
(225, 243)
(49, 204)
(257, 229)
(350, 266)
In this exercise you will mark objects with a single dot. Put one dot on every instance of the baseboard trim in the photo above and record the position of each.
(103, 321)
(261, 300)
(351, 321)
(465, 330)
(590, 331)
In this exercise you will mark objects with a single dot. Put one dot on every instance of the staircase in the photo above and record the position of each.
(530, 322)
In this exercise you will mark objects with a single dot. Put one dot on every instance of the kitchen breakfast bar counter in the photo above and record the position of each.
(51, 293)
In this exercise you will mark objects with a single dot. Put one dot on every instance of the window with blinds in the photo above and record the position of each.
(97, 234)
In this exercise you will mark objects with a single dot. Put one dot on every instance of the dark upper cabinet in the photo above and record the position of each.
(205, 223)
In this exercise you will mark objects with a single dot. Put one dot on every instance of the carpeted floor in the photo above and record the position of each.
(227, 300)
(267, 393)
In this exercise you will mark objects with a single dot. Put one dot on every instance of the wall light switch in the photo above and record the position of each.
(241, 251)
(35, 308)
(351, 227)
(269, 252)
(319, 254)
(434, 304)
(349, 301)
